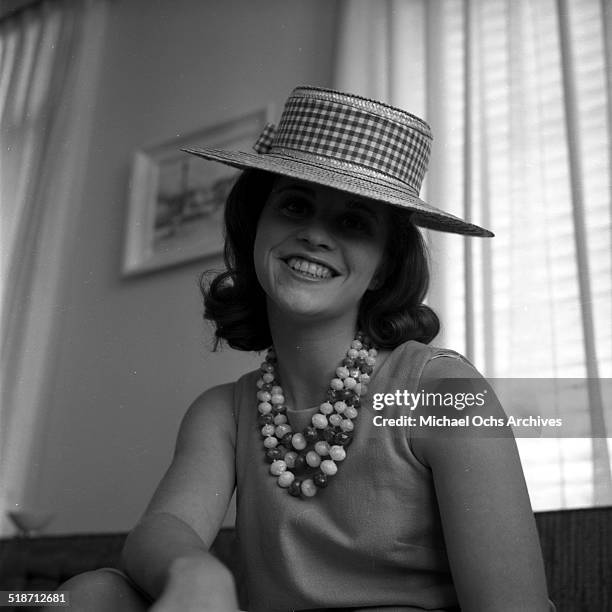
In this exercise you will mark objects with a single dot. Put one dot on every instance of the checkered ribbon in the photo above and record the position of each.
(369, 136)
(264, 143)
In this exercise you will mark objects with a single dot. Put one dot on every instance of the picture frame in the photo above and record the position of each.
(176, 200)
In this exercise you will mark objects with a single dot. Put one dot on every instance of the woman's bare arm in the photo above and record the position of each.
(489, 527)
(170, 543)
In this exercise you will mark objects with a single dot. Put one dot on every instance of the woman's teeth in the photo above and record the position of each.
(308, 267)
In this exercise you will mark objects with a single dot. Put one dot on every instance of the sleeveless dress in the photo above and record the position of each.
(371, 539)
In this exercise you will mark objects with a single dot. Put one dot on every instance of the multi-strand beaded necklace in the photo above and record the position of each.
(303, 462)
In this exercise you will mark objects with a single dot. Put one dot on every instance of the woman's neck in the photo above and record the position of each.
(308, 355)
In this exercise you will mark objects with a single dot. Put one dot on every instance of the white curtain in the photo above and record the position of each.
(518, 93)
(49, 52)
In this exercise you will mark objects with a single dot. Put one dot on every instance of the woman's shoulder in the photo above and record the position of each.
(219, 402)
(426, 360)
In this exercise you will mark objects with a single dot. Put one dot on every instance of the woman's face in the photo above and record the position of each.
(318, 250)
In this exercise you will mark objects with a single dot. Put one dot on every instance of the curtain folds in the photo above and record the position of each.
(49, 54)
(518, 96)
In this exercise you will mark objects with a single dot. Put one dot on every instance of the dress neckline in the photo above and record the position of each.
(301, 418)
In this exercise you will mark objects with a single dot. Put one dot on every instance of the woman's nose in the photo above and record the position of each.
(316, 234)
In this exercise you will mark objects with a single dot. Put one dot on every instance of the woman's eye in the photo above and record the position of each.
(355, 223)
(293, 208)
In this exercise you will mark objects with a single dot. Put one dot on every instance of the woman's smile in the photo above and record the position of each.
(308, 268)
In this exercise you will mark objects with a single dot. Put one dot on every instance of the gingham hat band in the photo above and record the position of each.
(327, 128)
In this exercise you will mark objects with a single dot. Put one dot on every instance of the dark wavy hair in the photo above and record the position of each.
(235, 302)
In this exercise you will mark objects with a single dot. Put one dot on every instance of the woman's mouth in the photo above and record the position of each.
(309, 268)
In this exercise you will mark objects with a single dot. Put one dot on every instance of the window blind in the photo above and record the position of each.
(528, 142)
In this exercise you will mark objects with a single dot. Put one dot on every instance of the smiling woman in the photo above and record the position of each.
(327, 270)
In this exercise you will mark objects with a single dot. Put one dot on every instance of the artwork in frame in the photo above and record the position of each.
(176, 200)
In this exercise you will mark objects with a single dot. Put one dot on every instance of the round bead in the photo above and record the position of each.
(356, 344)
(264, 396)
(340, 407)
(322, 448)
(349, 363)
(352, 353)
(268, 377)
(337, 453)
(286, 439)
(289, 458)
(271, 442)
(267, 430)
(367, 369)
(329, 434)
(335, 420)
(295, 488)
(313, 459)
(319, 421)
(300, 462)
(298, 441)
(277, 467)
(275, 400)
(285, 479)
(264, 407)
(276, 390)
(281, 430)
(372, 353)
(320, 480)
(342, 372)
(280, 419)
(328, 467)
(260, 383)
(336, 384)
(265, 419)
(349, 382)
(267, 367)
(282, 450)
(347, 425)
(326, 408)
(272, 454)
(363, 354)
(351, 412)
(309, 489)
(370, 360)
(364, 378)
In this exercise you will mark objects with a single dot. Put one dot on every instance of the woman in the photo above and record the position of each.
(343, 502)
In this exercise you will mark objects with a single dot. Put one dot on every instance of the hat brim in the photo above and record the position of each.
(348, 180)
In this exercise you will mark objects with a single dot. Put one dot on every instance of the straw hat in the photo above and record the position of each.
(353, 144)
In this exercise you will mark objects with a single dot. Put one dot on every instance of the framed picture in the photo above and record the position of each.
(176, 200)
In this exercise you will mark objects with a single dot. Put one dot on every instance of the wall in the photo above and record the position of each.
(133, 353)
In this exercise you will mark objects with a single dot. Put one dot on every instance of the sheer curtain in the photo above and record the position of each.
(518, 93)
(49, 52)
